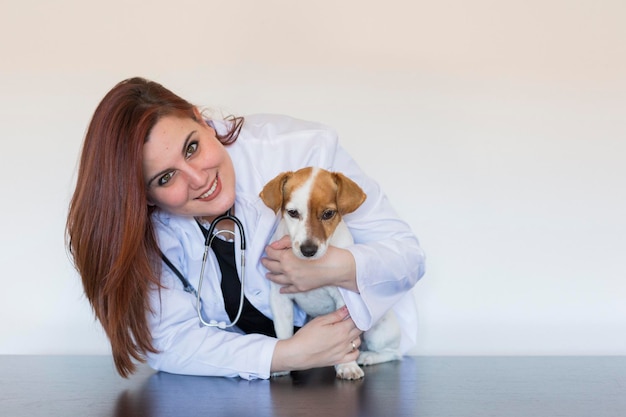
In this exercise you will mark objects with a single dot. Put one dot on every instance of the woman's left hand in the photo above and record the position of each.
(336, 267)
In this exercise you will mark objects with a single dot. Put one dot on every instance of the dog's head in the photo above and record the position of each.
(312, 202)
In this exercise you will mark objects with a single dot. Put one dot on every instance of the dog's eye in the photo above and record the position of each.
(293, 213)
(328, 214)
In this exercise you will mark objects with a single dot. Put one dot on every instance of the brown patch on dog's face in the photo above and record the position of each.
(323, 208)
(295, 180)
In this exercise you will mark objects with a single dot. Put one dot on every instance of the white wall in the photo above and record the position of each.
(498, 129)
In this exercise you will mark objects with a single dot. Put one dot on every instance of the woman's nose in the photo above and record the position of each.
(197, 177)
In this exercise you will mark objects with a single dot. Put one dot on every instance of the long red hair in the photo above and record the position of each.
(109, 232)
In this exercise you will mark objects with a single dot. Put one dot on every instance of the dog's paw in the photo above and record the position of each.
(350, 370)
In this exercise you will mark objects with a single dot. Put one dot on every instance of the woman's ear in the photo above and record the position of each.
(198, 115)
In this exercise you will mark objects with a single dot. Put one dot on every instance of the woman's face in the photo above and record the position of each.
(186, 169)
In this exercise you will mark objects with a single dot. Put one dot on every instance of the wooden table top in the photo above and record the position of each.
(416, 386)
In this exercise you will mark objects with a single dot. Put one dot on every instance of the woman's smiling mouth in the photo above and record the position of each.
(211, 191)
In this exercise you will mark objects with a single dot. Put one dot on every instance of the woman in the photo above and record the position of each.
(152, 172)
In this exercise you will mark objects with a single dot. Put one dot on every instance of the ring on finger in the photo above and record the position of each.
(353, 346)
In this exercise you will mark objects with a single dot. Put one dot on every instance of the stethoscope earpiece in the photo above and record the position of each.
(221, 324)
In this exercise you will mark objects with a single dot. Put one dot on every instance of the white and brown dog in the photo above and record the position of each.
(311, 202)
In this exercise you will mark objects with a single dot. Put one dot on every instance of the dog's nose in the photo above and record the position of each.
(308, 249)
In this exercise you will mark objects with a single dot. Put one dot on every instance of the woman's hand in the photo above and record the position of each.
(336, 267)
(324, 341)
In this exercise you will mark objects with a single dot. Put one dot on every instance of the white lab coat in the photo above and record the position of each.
(388, 258)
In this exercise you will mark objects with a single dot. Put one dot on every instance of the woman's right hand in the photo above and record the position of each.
(324, 341)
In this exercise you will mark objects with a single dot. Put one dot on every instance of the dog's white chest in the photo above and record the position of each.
(319, 301)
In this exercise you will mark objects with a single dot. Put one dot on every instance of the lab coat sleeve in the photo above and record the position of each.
(389, 259)
(185, 347)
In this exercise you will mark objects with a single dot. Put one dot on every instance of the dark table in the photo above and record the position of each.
(417, 386)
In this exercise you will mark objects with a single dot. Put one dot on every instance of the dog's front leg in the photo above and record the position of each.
(282, 309)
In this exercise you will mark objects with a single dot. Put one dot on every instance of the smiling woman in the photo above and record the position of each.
(186, 167)
(109, 214)
(152, 171)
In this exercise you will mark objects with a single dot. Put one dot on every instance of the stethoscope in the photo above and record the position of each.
(207, 244)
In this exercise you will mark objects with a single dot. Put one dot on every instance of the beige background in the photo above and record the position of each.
(497, 128)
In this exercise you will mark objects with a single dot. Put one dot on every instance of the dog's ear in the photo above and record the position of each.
(272, 193)
(349, 195)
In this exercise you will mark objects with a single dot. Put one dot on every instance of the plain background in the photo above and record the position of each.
(497, 129)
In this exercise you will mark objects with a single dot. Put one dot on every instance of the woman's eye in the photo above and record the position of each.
(293, 213)
(166, 178)
(328, 214)
(191, 149)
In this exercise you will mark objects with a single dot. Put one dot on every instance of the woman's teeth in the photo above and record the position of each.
(210, 191)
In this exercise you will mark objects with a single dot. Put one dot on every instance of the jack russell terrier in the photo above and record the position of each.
(311, 202)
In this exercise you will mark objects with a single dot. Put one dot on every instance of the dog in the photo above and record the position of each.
(312, 202)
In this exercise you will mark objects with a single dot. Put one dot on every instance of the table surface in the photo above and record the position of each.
(416, 386)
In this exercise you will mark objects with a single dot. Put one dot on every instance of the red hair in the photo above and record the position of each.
(109, 231)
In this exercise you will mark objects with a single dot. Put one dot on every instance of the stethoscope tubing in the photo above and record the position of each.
(207, 244)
